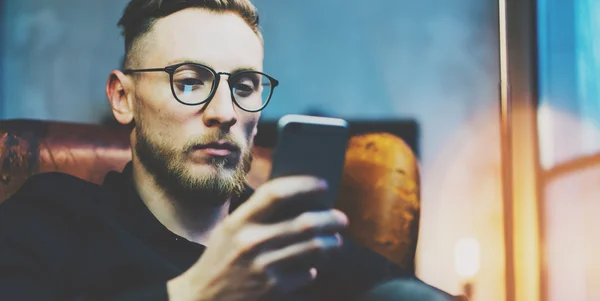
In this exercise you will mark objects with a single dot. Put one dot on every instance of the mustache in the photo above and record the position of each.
(214, 137)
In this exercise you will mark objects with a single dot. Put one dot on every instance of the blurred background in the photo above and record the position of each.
(433, 63)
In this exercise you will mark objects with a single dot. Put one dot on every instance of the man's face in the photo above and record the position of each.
(204, 149)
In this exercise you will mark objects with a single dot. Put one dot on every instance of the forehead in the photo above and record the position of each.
(221, 40)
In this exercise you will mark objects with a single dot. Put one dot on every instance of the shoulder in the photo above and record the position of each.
(53, 183)
(50, 199)
(46, 220)
(57, 189)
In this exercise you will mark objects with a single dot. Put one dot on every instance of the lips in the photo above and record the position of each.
(217, 148)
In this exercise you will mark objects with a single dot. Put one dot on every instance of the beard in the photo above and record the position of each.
(172, 171)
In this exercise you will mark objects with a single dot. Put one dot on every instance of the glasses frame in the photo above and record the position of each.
(217, 75)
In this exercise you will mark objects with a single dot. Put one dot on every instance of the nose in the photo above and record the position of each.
(220, 110)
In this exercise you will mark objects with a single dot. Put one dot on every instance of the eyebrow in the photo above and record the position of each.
(180, 61)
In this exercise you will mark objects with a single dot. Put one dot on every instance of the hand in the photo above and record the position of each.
(250, 259)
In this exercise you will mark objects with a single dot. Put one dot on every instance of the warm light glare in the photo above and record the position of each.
(546, 136)
(466, 254)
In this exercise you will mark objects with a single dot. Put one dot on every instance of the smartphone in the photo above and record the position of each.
(314, 146)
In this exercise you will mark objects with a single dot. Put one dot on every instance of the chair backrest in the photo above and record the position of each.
(379, 191)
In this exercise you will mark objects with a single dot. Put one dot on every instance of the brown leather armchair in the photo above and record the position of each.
(379, 192)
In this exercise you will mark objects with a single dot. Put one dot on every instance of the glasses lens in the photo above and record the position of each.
(251, 89)
(192, 84)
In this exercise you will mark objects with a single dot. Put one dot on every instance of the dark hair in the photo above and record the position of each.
(140, 15)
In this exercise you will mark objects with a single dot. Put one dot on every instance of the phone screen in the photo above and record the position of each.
(314, 146)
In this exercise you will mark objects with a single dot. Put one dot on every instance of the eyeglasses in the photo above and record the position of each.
(194, 84)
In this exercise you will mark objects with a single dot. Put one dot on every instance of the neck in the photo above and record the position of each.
(191, 220)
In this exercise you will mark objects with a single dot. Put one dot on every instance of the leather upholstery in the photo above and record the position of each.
(379, 191)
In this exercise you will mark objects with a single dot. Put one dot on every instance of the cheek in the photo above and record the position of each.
(162, 117)
(249, 121)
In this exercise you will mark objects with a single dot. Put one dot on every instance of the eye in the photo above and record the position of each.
(190, 81)
(192, 77)
(243, 87)
(246, 83)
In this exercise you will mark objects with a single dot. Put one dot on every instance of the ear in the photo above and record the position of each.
(119, 90)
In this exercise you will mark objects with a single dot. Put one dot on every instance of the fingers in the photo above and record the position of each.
(316, 222)
(254, 238)
(292, 267)
(288, 281)
(308, 225)
(275, 193)
(299, 256)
